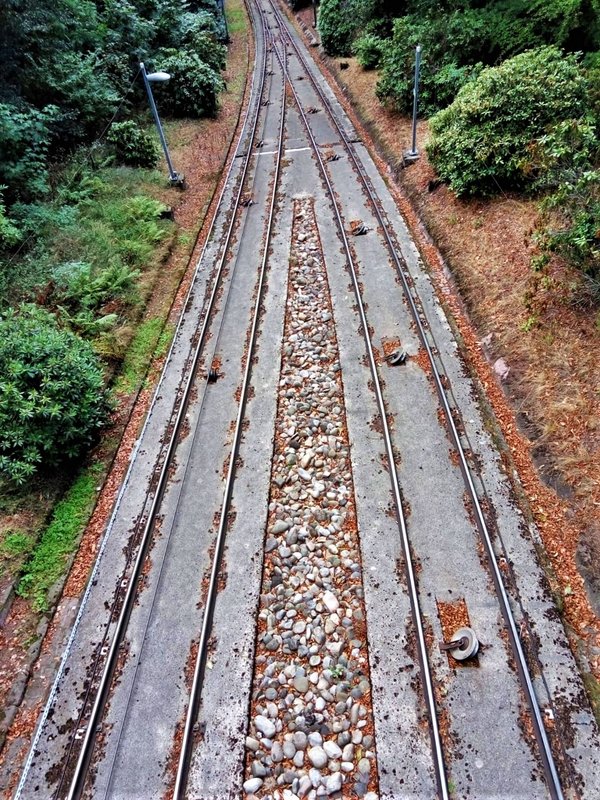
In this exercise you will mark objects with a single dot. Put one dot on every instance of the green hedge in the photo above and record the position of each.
(480, 143)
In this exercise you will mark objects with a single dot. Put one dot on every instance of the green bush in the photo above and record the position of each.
(566, 164)
(52, 398)
(338, 20)
(210, 9)
(479, 144)
(209, 50)
(454, 47)
(194, 87)
(368, 50)
(132, 146)
(202, 35)
(9, 233)
(76, 84)
(24, 141)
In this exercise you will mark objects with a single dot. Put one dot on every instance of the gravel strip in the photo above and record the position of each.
(311, 729)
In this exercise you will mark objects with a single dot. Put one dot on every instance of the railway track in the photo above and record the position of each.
(108, 652)
(449, 406)
(181, 619)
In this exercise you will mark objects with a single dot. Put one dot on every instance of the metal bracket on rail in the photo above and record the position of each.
(358, 228)
(399, 356)
(464, 644)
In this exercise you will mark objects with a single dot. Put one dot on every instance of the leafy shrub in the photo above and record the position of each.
(454, 47)
(52, 398)
(24, 141)
(9, 233)
(212, 9)
(194, 86)
(479, 143)
(209, 50)
(592, 66)
(199, 22)
(337, 22)
(202, 35)
(132, 145)
(368, 50)
(75, 82)
(77, 283)
(566, 164)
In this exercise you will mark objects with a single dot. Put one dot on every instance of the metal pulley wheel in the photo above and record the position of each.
(464, 644)
(399, 356)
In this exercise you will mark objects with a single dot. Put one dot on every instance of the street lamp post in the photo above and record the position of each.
(314, 5)
(222, 7)
(175, 178)
(413, 154)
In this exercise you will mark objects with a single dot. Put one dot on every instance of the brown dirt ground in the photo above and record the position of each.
(549, 406)
(199, 149)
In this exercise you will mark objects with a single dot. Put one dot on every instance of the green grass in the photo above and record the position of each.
(15, 547)
(151, 339)
(236, 17)
(107, 220)
(60, 539)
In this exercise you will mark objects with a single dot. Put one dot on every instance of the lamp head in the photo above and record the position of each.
(158, 77)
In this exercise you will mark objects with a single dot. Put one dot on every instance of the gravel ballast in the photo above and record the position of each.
(311, 730)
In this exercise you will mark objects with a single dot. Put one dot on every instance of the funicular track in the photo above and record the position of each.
(451, 411)
(79, 755)
(276, 45)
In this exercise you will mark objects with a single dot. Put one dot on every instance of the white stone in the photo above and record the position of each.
(332, 749)
(334, 783)
(265, 726)
(331, 601)
(315, 777)
(252, 785)
(317, 757)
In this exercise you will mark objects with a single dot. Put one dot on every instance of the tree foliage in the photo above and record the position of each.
(132, 145)
(52, 398)
(479, 144)
(565, 165)
(69, 65)
(194, 87)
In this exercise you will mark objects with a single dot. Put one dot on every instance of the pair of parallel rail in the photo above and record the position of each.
(80, 750)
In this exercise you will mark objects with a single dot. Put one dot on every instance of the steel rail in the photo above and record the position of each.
(439, 763)
(104, 541)
(78, 779)
(554, 783)
(215, 339)
(187, 742)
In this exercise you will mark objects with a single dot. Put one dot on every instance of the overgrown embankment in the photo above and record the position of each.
(103, 256)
